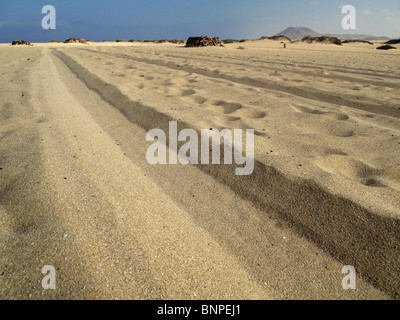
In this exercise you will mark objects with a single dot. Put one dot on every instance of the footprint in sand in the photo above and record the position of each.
(198, 99)
(237, 110)
(307, 110)
(336, 116)
(234, 122)
(331, 123)
(275, 74)
(225, 107)
(349, 168)
(231, 122)
(173, 91)
(181, 82)
(145, 87)
(249, 112)
(325, 151)
(332, 115)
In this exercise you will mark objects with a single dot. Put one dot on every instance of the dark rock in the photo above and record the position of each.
(21, 42)
(203, 42)
(75, 40)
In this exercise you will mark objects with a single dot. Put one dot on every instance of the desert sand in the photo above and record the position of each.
(77, 193)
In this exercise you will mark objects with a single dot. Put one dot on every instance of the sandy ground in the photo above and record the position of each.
(77, 193)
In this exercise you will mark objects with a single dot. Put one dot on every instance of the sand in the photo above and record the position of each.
(77, 193)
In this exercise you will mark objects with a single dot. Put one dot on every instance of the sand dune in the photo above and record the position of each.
(77, 192)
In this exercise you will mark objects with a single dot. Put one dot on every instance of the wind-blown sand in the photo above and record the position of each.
(77, 193)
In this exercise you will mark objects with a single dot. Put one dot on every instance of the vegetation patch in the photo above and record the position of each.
(357, 41)
(323, 39)
(393, 41)
(386, 47)
(277, 38)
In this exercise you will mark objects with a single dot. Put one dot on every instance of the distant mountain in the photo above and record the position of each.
(356, 37)
(298, 33)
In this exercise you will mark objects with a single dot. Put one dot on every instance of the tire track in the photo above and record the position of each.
(348, 232)
(308, 73)
(351, 101)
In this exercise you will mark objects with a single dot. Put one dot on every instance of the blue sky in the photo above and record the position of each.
(178, 19)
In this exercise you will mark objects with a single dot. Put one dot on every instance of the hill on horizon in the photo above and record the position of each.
(298, 33)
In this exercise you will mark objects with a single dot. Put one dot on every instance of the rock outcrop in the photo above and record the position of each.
(203, 42)
(21, 43)
(75, 40)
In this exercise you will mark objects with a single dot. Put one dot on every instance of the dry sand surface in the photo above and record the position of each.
(77, 193)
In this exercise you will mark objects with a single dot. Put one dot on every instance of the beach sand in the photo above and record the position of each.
(77, 193)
